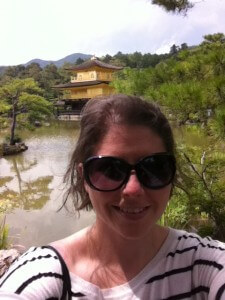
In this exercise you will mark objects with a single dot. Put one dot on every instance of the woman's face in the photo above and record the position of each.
(133, 210)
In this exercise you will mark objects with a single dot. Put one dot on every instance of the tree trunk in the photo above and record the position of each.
(13, 126)
(17, 174)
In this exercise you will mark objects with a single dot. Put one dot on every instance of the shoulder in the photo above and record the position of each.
(198, 247)
(192, 248)
(202, 258)
(73, 247)
(32, 272)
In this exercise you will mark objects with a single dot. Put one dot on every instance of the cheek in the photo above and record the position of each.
(161, 196)
(166, 193)
(92, 194)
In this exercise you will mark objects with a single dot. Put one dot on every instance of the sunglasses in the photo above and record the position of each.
(108, 173)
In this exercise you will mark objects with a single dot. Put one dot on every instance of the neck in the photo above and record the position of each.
(112, 249)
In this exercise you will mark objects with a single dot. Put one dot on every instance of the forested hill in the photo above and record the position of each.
(2, 69)
(132, 60)
(59, 63)
(71, 59)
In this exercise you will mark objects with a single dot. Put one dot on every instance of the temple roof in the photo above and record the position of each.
(80, 84)
(93, 63)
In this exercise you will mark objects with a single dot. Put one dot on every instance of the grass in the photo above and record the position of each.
(4, 233)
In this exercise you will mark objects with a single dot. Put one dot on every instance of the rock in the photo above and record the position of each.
(37, 123)
(7, 257)
(14, 149)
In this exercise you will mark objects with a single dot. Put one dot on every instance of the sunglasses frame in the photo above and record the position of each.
(130, 168)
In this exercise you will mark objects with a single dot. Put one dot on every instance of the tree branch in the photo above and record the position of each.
(200, 176)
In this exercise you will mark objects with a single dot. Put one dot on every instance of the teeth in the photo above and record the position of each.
(132, 210)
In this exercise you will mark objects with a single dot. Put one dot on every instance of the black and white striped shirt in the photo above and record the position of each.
(186, 267)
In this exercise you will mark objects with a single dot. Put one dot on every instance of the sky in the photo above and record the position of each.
(53, 29)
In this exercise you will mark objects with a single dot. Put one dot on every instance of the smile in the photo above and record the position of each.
(128, 210)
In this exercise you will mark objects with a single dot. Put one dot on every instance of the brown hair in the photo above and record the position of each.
(97, 116)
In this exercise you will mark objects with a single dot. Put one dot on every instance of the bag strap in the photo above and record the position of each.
(65, 273)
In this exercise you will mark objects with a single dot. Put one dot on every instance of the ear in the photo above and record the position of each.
(80, 170)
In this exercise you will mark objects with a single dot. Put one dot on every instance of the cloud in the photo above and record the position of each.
(52, 29)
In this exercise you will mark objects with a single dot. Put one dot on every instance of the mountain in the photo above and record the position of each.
(72, 58)
(2, 69)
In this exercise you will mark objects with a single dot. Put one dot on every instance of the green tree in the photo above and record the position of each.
(211, 39)
(135, 60)
(174, 49)
(214, 49)
(50, 76)
(107, 58)
(15, 71)
(64, 73)
(200, 185)
(131, 81)
(175, 6)
(183, 46)
(190, 85)
(79, 61)
(21, 97)
(185, 100)
(33, 70)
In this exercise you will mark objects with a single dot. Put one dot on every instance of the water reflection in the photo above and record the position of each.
(31, 186)
(25, 194)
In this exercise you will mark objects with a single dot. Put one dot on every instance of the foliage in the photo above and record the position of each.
(136, 83)
(45, 78)
(174, 49)
(17, 139)
(4, 231)
(198, 196)
(217, 124)
(79, 61)
(200, 184)
(175, 6)
(176, 215)
(190, 83)
(50, 76)
(134, 60)
(21, 101)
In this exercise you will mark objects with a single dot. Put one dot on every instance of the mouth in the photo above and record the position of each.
(131, 211)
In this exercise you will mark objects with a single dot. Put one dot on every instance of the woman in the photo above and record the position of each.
(123, 167)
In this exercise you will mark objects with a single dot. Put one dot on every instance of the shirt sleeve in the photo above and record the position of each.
(217, 289)
(214, 273)
(36, 275)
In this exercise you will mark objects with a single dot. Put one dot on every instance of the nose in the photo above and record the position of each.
(133, 186)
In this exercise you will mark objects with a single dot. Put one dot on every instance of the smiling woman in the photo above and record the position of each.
(123, 167)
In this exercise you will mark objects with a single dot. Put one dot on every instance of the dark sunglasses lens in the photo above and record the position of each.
(156, 171)
(106, 173)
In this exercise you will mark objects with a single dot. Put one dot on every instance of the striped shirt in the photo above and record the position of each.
(185, 267)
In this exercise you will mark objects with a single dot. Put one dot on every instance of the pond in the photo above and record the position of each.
(32, 190)
(31, 184)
